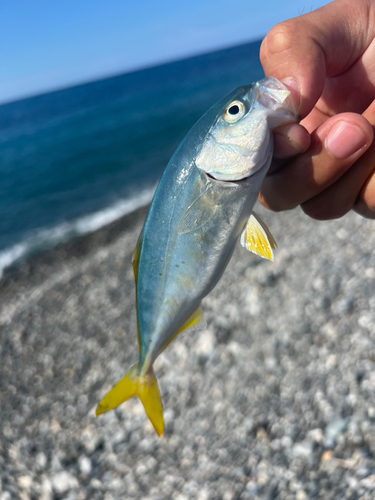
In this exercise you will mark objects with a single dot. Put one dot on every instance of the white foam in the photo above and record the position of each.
(44, 239)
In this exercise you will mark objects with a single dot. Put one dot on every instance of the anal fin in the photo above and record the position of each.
(194, 319)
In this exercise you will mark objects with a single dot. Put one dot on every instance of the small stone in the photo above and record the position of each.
(368, 482)
(115, 484)
(343, 306)
(342, 234)
(270, 362)
(263, 478)
(141, 470)
(362, 472)
(46, 487)
(301, 495)
(205, 344)
(316, 435)
(55, 464)
(286, 442)
(302, 449)
(370, 272)
(366, 320)
(228, 495)
(352, 482)
(41, 460)
(335, 428)
(25, 482)
(331, 361)
(251, 487)
(235, 349)
(327, 455)
(63, 482)
(95, 483)
(203, 494)
(261, 434)
(84, 464)
(55, 426)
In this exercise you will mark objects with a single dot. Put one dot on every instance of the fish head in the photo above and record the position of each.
(239, 141)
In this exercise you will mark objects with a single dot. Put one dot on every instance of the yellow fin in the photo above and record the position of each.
(257, 238)
(194, 319)
(135, 262)
(135, 259)
(145, 387)
(149, 395)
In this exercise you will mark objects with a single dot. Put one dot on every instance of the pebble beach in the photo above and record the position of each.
(272, 399)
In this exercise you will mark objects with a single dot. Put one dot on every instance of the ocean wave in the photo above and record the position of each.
(44, 239)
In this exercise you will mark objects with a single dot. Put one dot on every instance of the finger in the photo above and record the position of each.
(340, 197)
(353, 190)
(336, 145)
(322, 43)
(290, 140)
(365, 202)
(314, 119)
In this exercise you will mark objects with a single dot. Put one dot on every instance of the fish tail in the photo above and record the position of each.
(143, 386)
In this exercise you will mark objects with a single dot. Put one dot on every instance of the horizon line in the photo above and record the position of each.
(128, 71)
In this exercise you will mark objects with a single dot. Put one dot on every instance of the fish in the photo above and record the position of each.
(202, 207)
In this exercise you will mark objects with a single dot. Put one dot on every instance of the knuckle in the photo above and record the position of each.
(370, 206)
(322, 211)
(276, 204)
(279, 39)
(365, 208)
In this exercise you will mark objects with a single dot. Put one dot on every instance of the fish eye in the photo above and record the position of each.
(234, 111)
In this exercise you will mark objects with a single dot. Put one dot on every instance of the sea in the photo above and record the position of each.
(74, 160)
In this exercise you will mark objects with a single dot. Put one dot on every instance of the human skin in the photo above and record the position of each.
(326, 164)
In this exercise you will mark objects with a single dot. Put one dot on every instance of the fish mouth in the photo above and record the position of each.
(233, 183)
(220, 181)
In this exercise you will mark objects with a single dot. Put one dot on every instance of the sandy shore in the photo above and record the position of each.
(274, 398)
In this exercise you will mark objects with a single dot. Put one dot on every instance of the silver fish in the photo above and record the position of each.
(201, 208)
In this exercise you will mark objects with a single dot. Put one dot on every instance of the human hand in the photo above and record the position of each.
(327, 59)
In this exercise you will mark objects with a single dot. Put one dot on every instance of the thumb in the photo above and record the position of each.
(303, 51)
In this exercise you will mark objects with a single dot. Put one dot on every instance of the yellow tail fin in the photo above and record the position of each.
(145, 387)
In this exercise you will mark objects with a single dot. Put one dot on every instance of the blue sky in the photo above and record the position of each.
(45, 44)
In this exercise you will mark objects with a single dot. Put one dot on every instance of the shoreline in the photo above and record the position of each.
(37, 267)
(271, 397)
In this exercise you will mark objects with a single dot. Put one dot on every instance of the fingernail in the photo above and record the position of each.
(344, 139)
(291, 83)
(293, 86)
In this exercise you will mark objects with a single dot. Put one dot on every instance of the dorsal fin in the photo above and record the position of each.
(136, 253)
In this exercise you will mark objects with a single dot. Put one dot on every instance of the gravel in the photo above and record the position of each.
(273, 399)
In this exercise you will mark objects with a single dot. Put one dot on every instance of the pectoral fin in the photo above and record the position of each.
(199, 212)
(257, 238)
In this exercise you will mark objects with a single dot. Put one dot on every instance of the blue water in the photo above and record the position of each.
(76, 159)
